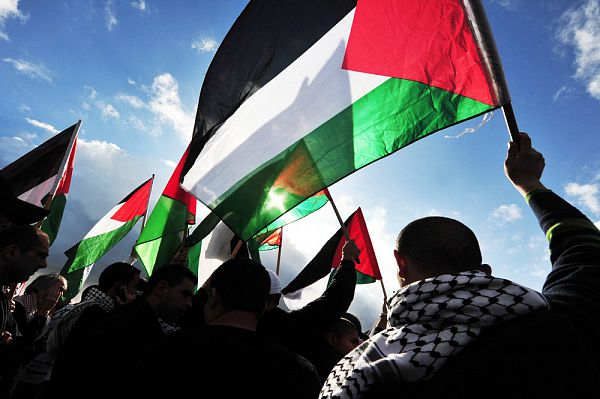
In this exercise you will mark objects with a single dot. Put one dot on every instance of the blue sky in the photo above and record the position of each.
(132, 71)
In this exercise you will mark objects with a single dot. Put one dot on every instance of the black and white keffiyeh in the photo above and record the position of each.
(430, 321)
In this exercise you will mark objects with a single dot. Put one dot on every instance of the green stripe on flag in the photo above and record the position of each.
(93, 248)
(394, 115)
(163, 233)
(51, 224)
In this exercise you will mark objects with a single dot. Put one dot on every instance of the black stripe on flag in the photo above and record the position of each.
(39, 164)
(265, 39)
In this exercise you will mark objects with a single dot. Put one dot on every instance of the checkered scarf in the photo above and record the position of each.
(430, 321)
(64, 321)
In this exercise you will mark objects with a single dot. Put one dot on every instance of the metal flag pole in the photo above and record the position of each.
(511, 123)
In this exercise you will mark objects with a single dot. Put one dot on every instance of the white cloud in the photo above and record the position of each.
(507, 213)
(135, 122)
(511, 5)
(43, 125)
(99, 149)
(170, 164)
(108, 111)
(29, 69)
(585, 194)
(580, 28)
(131, 81)
(166, 105)
(140, 5)
(9, 9)
(563, 93)
(134, 101)
(111, 17)
(90, 92)
(25, 108)
(597, 224)
(205, 45)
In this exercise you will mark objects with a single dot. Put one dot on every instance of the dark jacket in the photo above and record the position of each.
(300, 330)
(544, 354)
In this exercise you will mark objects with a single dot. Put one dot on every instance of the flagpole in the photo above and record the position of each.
(337, 213)
(511, 123)
(236, 249)
(63, 164)
(279, 250)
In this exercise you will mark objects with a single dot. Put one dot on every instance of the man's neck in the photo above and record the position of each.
(238, 319)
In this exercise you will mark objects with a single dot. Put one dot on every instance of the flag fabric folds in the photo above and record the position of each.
(330, 256)
(112, 227)
(163, 233)
(331, 86)
(44, 174)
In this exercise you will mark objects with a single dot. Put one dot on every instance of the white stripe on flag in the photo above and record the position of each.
(37, 193)
(308, 93)
(106, 224)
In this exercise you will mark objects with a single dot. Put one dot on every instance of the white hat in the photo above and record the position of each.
(275, 283)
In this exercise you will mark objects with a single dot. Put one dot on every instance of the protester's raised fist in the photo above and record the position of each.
(524, 165)
(350, 251)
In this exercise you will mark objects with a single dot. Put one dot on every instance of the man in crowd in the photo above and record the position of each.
(232, 359)
(457, 331)
(123, 336)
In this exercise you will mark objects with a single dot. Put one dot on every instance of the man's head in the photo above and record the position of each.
(436, 245)
(343, 336)
(169, 291)
(23, 250)
(119, 280)
(237, 285)
(51, 286)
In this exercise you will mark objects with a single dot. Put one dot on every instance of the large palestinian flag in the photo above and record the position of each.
(44, 174)
(163, 233)
(302, 93)
(329, 257)
(112, 227)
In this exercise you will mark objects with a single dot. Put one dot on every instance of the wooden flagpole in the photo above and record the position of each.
(345, 231)
(236, 249)
(279, 250)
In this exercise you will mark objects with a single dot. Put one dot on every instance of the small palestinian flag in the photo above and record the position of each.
(331, 86)
(163, 233)
(112, 227)
(330, 256)
(272, 241)
(44, 174)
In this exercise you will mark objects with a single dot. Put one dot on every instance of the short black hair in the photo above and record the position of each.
(439, 245)
(243, 284)
(172, 274)
(117, 272)
(23, 236)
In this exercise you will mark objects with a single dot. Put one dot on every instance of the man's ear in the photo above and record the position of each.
(11, 251)
(401, 263)
(487, 269)
(330, 338)
(162, 287)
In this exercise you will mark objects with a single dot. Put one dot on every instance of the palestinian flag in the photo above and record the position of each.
(163, 233)
(329, 257)
(271, 241)
(112, 227)
(75, 279)
(331, 86)
(44, 174)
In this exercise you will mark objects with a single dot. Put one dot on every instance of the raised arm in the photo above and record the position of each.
(573, 285)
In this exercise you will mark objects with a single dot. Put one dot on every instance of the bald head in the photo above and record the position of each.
(438, 245)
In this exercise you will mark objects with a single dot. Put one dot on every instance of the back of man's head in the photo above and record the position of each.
(119, 272)
(172, 275)
(439, 245)
(242, 285)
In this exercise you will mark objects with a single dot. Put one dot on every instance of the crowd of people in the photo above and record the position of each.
(452, 330)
